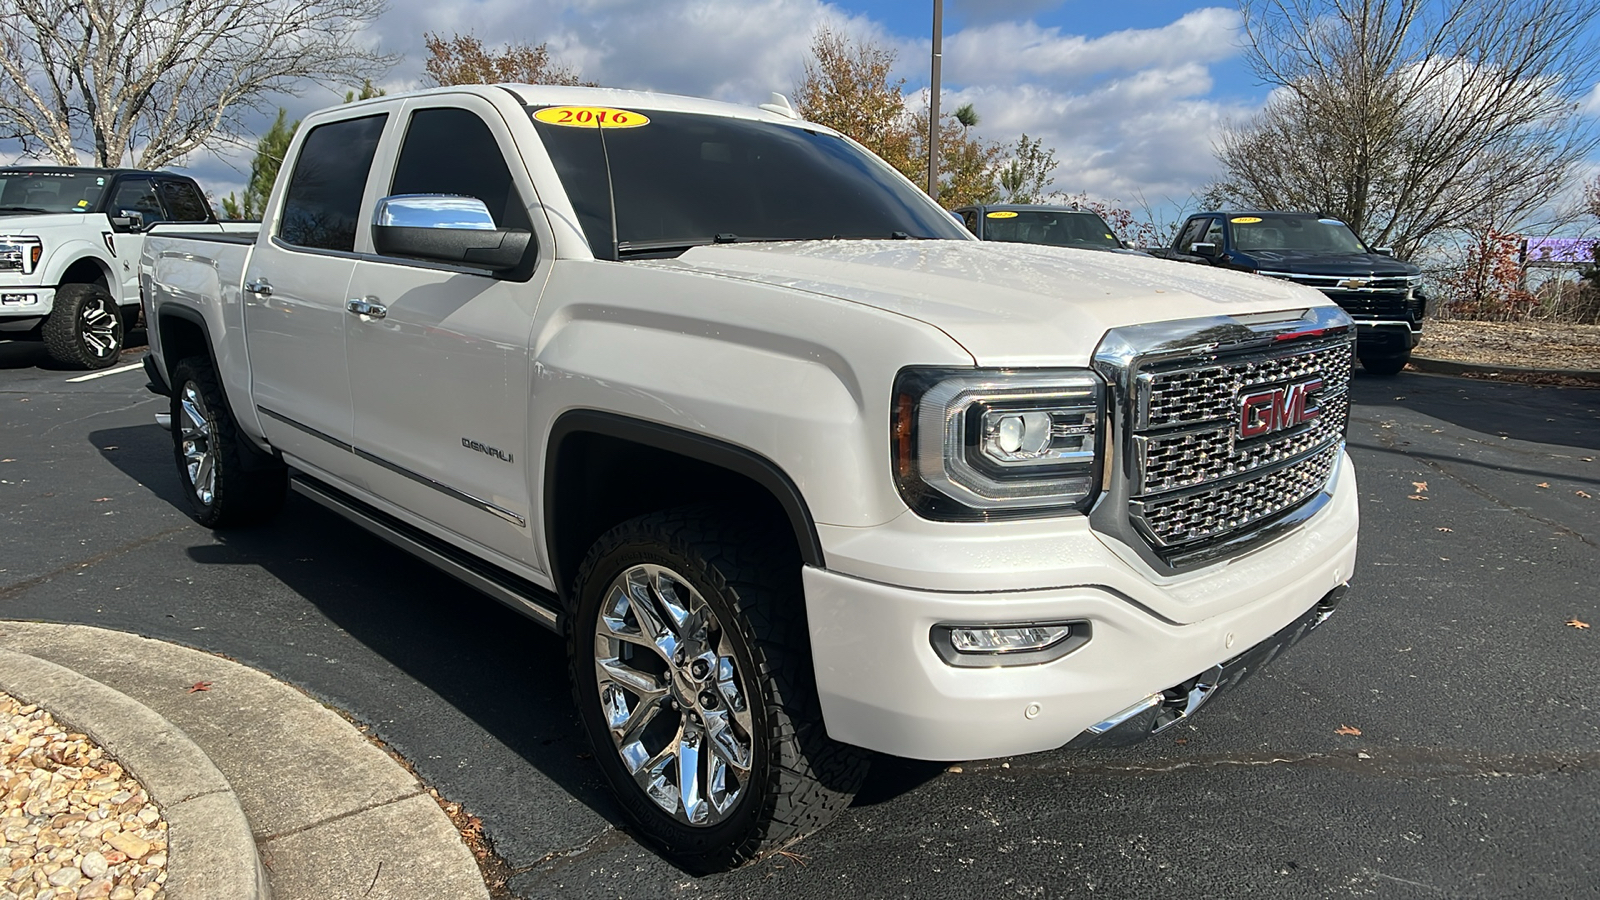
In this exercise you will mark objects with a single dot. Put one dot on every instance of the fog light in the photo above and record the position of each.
(1008, 640)
(18, 299)
(1020, 644)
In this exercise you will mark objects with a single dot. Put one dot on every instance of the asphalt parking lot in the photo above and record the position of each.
(1475, 773)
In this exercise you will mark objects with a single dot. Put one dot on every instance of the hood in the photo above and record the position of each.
(1308, 262)
(28, 222)
(1007, 304)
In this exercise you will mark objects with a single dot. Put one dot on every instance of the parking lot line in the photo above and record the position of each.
(93, 375)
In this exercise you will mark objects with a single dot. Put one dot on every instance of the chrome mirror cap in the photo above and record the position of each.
(433, 211)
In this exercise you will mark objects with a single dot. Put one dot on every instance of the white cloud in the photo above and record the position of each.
(1007, 50)
(1591, 106)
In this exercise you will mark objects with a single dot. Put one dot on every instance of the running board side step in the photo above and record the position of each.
(520, 594)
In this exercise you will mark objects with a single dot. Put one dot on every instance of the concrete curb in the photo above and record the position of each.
(211, 851)
(330, 816)
(1450, 367)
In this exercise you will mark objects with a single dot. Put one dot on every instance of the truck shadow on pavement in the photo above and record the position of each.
(485, 661)
(1568, 416)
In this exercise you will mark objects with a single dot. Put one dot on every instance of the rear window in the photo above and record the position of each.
(691, 177)
(322, 207)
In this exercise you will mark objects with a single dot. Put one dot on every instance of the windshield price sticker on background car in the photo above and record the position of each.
(591, 117)
(1003, 214)
(1245, 220)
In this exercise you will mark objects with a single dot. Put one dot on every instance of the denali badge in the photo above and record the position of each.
(1267, 411)
(496, 451)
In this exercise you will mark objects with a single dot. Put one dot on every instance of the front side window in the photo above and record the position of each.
(136, 195)
(688, 178)
(452, 151)
(1193, 233)
(185, 201)
(322, 206)
(1214, 233)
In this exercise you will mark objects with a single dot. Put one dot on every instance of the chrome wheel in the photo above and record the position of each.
(98, 325)
(672, 695)
(195, 429)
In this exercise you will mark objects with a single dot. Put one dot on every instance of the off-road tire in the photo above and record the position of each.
(84, 330)
(1386, 364)
(247, 486)
(749, 576)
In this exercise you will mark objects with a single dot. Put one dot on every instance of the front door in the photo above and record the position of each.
(294, 297)
(441, 382)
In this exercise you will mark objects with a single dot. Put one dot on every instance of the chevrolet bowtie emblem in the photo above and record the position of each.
(1353, 284)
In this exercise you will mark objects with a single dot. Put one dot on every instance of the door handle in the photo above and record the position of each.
(260, 287)
(365, 307)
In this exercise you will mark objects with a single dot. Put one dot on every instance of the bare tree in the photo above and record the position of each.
(1407, 118)
(151, 81)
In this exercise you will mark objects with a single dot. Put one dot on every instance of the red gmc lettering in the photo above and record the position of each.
(1268, 411)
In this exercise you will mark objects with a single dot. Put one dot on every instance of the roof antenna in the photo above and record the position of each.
(779, 104)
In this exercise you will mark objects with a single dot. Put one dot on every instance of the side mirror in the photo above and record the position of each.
(1383, 251)
(1206, 249)
(445, 228)
(129, 221)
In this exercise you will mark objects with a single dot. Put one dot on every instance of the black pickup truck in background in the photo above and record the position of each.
(1382, 294)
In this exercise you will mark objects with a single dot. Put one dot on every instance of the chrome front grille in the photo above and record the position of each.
(1230, 429)
(1217, 511)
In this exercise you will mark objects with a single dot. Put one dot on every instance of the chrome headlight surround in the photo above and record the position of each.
(977, 444)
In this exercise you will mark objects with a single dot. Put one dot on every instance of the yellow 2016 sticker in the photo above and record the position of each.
(1245, 220)
(591, 117)
(1002, 214)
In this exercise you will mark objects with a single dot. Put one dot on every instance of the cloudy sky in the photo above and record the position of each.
(1129, 94)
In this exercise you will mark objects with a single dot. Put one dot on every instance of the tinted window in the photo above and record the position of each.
(1214, 233)
(1055, 228)
(689, 177)
(452, 151)
(30, 191)
(1192, 234)
(969, 217)
(136, 195)
(185, 202)
(1294, 233)
(322, 206)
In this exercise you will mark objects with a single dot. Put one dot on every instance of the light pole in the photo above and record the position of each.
(933, 101)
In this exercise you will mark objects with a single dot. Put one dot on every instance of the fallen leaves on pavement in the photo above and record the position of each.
(1442, 528)
(200, 686)
(1346, 729)
(1584, 495)
(1574, 623)
(1419, 486)
(1543, 484)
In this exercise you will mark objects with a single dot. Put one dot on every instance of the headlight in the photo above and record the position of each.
(20, 254)
(997, 443)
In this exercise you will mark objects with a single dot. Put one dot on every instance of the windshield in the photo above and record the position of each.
(684, 179)
(23, 190)
(1294, 233)
(1056, 228)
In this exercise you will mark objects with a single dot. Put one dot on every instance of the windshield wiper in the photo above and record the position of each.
(675, 246)
(22, 209)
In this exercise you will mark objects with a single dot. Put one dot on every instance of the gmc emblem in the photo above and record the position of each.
(1265, 412)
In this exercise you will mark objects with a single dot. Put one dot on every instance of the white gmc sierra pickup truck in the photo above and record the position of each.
(70, 241)
(799, 467)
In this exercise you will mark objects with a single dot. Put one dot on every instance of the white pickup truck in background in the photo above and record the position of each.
(799, 468)
(70, 240)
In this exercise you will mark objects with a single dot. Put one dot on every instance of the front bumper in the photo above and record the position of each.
(1382, 337)
(883, 686)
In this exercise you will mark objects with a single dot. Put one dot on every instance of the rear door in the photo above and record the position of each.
(294, 295)
(441, 382)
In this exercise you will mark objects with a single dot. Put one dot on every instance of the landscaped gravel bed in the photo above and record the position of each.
(1534, 345)
(73, 824)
